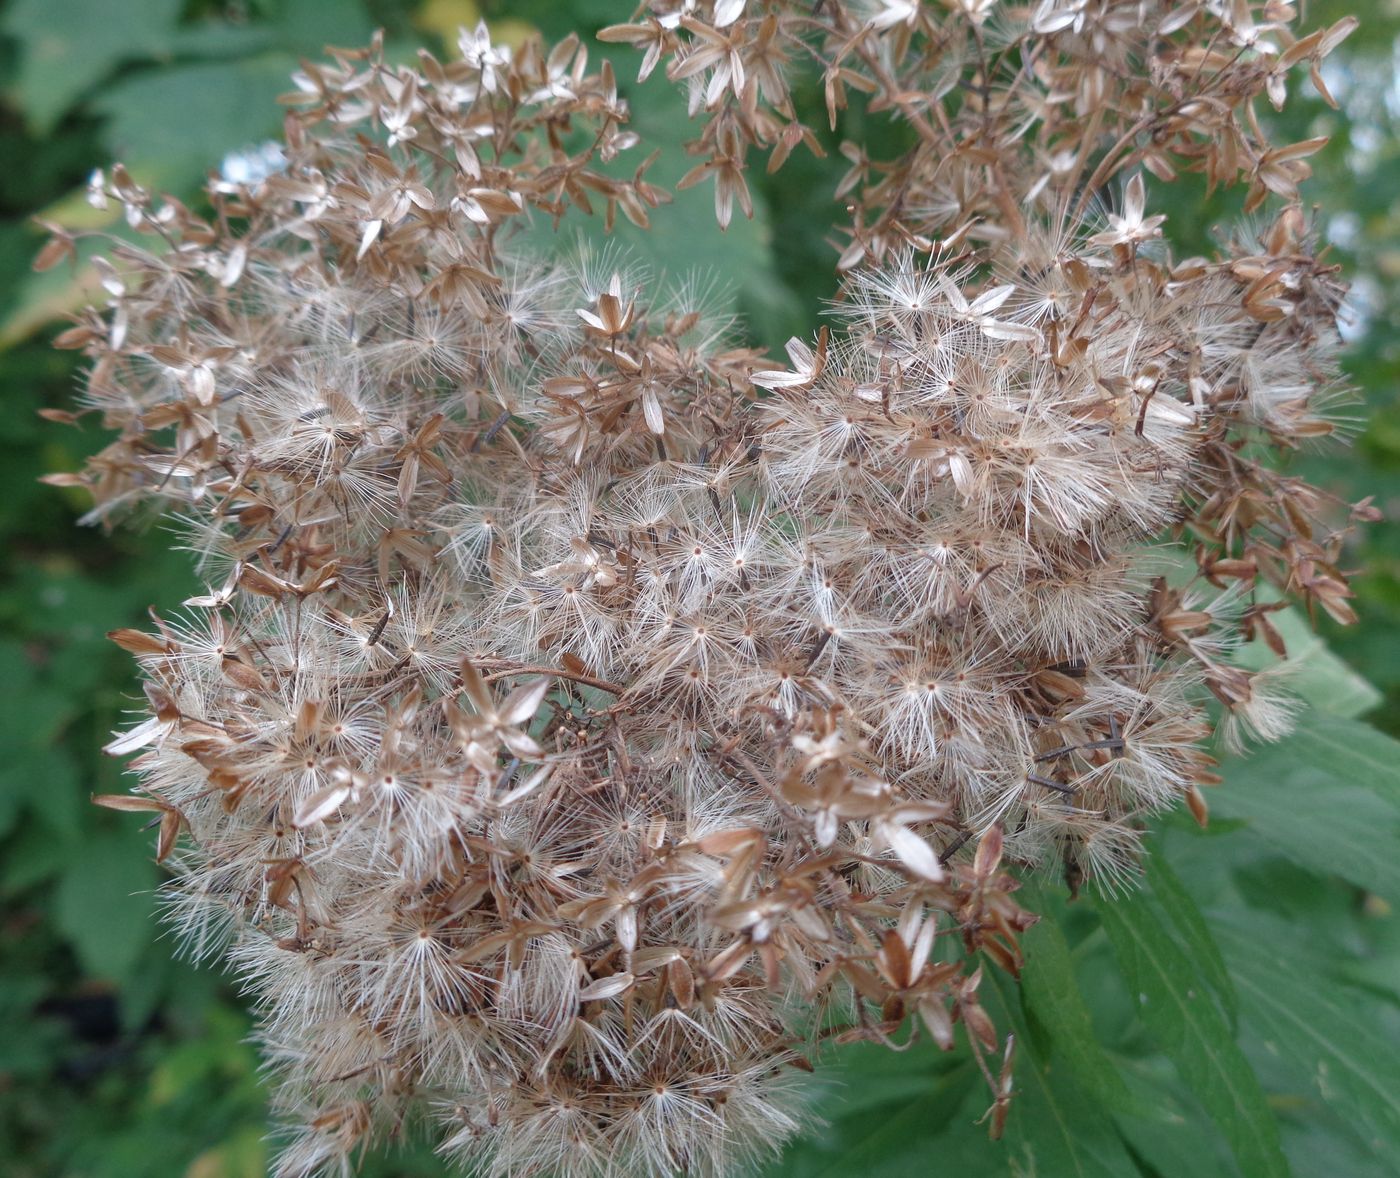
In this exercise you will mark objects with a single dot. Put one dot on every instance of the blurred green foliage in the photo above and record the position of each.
(1240, 1014)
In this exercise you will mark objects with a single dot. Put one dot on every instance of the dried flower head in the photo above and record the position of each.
(587, 717)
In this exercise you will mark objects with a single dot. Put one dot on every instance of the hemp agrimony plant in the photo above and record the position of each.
(588, 716)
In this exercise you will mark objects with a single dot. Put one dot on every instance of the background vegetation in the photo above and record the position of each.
(1238, 1015)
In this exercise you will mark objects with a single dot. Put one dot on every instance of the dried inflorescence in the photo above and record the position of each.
(586, 717)
(1015, 109)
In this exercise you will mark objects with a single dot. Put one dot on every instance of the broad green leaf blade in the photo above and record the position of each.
(1328, 797)
(1190, 924)
(176, 125)
(1056, 1011)
(885, 1114)
(68, 46)
(892, 1115)
(1054, 1127)
(1314, 1147)
(1334, 1038)
(105, 903)
(1171, 1136)
(308, 26)
(1182, 1013)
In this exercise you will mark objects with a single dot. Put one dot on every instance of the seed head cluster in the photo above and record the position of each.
(587, 716)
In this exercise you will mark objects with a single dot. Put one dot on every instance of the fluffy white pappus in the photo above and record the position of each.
(1268, 713)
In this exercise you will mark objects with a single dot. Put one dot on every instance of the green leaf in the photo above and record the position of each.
(1190, 924)
(1171, 1134)
(885, 1111)
(33, 853)
(1184, 1017)
(1054, 1127)
(1328, 797)
(213, 38)
(1333, 1038)
(68, 46)
(308, 26)
(1315, 1147)
(174, 125)
(1056, 1010)
(105, 903)
(37, 774)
